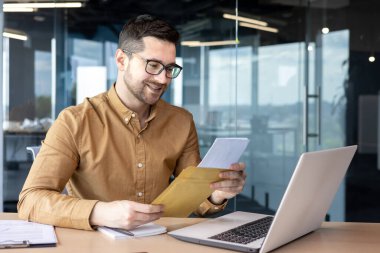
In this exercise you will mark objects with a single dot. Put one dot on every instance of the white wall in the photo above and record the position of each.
(91, 80)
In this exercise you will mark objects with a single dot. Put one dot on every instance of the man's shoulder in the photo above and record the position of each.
(85, 108)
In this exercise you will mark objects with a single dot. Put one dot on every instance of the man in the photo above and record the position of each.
(116, 152)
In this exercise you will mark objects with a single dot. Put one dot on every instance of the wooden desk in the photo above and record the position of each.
(332, 237)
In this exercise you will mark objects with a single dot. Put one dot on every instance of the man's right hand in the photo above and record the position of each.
(124, 214)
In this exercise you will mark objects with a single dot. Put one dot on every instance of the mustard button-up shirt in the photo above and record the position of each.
(99, 152)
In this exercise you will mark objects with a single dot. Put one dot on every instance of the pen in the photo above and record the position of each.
(10, 244)
(122, 231)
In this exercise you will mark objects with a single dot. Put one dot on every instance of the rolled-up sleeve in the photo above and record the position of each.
(208, 208)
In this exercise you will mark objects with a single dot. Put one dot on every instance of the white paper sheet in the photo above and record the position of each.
(19, 230)
(224, 152)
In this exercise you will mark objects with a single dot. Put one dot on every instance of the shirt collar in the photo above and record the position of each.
(124, 111)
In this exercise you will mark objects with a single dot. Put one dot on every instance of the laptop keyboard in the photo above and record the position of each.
(246, 233)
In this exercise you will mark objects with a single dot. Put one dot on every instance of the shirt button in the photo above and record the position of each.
(126, 120)
(133, 115)
(140, 165)
(140, 194)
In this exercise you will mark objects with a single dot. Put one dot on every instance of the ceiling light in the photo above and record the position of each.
(14, 34)
(325, 30)
(44, 5)
(192, 43)
(209, 43)
(371, 59)
(39, 18)
(243, 19)
(13, 9)
(263, 28)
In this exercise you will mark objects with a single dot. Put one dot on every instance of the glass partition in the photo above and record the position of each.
(292, 76)
(27, 89)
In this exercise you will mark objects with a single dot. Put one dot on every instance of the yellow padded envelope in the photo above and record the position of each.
(188, 191)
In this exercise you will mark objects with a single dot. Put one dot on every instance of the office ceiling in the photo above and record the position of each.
(202, 20)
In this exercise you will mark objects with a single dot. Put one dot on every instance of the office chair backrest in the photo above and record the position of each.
(33, 150)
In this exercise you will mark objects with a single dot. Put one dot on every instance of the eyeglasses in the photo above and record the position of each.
(154, 67)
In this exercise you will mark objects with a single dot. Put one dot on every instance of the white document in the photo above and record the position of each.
(224, 152)
(141, 231)
(13, 232)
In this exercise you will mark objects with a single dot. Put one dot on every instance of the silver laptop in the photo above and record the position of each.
(303, 207)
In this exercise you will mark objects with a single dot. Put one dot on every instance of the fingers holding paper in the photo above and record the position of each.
(231, 185)
(124, 214)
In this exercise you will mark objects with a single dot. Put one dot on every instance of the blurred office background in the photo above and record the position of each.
(291, 75)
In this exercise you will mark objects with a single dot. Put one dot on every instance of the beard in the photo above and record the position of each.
(147, 91)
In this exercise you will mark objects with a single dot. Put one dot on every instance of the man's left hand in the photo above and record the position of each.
(231, 185)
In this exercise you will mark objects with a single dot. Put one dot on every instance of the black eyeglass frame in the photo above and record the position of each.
(168, 68)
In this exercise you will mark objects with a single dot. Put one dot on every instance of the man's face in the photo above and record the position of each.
(145, 87)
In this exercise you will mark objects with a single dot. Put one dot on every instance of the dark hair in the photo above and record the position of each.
(136, 29)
